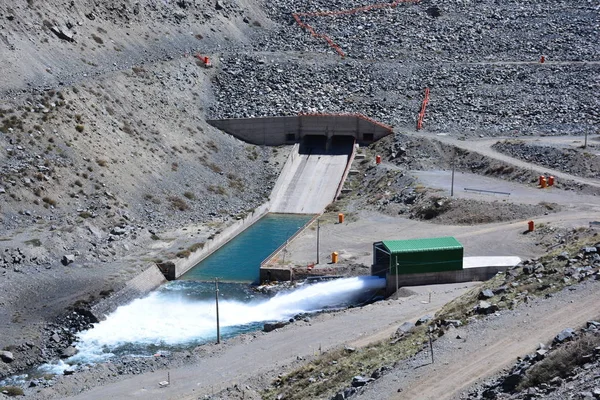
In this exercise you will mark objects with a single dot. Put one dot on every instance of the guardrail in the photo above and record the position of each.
(486, 191)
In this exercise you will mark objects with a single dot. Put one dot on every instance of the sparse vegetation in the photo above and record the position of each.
(217, 189)
(12, 391)
(332, 371)
(97, 39)
(178, 203)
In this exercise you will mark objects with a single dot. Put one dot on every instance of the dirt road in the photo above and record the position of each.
(245, 360)
(488, 346)
(483, 146)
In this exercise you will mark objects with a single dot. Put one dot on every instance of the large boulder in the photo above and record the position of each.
(486, 308)
(271, 327)
(565, 334)
(68, 259)
(7, 356)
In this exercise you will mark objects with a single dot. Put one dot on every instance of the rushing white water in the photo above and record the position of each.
(168, 318)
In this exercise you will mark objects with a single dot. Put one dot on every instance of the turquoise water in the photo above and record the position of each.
(239, 260)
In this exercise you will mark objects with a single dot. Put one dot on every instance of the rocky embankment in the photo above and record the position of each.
(480, 62)
(581, 161)
(567, 366)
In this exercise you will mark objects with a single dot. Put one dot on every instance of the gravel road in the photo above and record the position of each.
(246, 359)
(480, 349)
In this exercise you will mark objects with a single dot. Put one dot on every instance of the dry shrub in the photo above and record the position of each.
(196, 246)
(12, 391)
(178, 203)
(183, 253)
(49, 201)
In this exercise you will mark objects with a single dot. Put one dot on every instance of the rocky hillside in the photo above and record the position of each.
(106, 159)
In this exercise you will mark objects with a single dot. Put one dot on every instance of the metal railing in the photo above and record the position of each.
(486, 191)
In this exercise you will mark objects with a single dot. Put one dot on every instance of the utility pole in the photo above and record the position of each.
(430, 345)
(318, 231)
(397, 288)
(452, 187)
(217, 303)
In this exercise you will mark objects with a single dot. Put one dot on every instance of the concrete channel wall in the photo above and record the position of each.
(138, 287)
(476, 274)
(275, 131)
(185, 264)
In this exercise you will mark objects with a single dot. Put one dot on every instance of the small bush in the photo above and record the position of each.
(49, 201)
(101, 162)
(79, 128)
(183, 253)
(215, 168)
(189, 195)
(97, 39)
(85, 214)
(196, 247)
(12, 390)
(178, 203)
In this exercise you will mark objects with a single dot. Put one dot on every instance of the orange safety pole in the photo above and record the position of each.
(423, 108)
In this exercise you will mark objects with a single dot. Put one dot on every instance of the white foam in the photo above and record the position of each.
(165, 319)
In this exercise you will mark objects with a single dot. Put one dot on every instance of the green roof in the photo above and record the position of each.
(418, 245)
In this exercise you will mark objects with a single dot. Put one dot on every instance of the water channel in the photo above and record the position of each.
(182, 314)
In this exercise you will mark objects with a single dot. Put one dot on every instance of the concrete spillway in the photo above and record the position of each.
(309, 183)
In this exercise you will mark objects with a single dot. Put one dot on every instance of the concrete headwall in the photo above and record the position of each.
(275, 131)
(434, 278)
(138, 287)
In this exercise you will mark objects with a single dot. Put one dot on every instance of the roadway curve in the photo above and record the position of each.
(484, 147)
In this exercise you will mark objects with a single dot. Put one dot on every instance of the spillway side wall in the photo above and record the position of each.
(141, 285)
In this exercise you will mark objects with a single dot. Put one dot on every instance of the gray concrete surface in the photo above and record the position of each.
(526, 194)
(311, 185)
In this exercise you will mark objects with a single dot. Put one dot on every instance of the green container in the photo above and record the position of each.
(424, 255)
